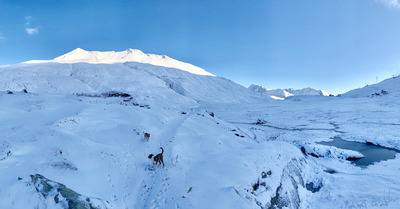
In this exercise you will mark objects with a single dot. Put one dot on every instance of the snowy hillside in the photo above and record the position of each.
(284, 93)
(130, 55)
(126, 77)
(72, 136)
(390, 86)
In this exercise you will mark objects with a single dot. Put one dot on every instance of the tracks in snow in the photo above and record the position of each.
(153, 189)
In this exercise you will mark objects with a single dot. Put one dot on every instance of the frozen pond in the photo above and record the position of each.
(372, 153)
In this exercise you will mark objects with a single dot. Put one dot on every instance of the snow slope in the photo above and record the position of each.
(130, 55)
(391, 86)
(284, 93)
(127, 77)
(75, 137)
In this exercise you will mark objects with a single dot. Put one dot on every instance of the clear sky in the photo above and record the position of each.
(331, 45)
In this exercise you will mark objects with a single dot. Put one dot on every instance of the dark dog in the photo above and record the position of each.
(147, 136)
(158, 159)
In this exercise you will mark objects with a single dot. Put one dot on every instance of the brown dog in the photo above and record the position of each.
(158, 159)
(147, 136)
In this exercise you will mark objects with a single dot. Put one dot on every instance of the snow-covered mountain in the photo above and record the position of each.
(307, 92)
(74, 73)
(284, 93)
(390, 86)
(130, 55)
(72, 137)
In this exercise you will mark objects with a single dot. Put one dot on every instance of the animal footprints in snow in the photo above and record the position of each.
(146, 189)
(177, 206)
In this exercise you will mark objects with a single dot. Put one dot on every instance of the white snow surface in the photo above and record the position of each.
(67, 129)
(130, 55)
(284, 93)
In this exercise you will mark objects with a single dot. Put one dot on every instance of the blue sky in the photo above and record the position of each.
(331, 45)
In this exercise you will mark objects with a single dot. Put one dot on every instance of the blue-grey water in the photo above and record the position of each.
(372, 153)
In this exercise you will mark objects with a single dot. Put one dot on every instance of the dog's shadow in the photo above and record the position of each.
(149, 168)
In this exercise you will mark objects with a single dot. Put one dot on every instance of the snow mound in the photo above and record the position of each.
(130, 55)
(284, 93)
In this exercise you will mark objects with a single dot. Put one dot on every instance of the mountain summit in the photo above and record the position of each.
(130, 55)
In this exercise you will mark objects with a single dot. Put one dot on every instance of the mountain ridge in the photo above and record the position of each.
(130, 55)
(284, 93)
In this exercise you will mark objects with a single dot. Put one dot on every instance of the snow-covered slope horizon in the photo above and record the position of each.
(390, 86)
(130, 55)
(284, 93)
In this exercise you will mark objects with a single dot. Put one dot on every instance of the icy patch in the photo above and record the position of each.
(370, 153)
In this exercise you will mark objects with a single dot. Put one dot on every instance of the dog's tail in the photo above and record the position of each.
(162, 150)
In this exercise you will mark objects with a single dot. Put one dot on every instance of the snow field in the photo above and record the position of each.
(225, 147)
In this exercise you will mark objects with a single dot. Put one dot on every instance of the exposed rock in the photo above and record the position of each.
(63, 196)
(64, 165)
(287, 195)
(313, 187)
(115, 94)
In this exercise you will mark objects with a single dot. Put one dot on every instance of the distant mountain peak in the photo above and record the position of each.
(80, 55)
(74, 54)
(79, 49)
(134, 51)
(284, 93)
